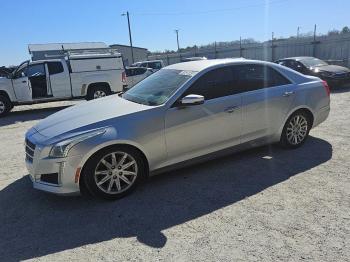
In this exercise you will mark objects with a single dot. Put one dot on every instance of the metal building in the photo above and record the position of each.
(140, 54)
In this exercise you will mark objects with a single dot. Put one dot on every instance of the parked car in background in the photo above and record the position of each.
(80, 75)
(196, 58)
(5, 71)
(183, 112)
(154, 64)
(334, 75)
(136, 74)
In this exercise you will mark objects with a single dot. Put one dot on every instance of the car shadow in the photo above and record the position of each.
(29, 115)
(35, 223)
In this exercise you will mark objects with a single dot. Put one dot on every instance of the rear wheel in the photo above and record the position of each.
(95, 92)
(296, 130)
(5, 105)
(114, 172)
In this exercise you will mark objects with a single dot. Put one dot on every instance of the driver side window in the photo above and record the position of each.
(21, 72)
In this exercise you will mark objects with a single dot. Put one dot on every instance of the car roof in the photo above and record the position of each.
(204, 64)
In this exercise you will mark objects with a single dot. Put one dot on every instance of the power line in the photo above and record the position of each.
(210, 11)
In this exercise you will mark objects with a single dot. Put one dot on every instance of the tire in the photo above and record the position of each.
(98, 91)
(5, 105)
(295, 137)
(105, 178)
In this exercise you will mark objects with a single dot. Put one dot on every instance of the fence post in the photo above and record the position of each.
(273, 46)
(314, 43)
(240, 46)
(215, 54)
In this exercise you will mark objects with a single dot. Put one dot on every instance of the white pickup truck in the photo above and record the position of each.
(78, 75)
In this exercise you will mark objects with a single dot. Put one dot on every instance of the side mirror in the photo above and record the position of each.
(191, 100)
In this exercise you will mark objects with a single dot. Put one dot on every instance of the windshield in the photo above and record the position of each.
(157, 88)
(312, 62)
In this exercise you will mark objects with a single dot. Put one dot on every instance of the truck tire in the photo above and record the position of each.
(97, 91)
(5, 105)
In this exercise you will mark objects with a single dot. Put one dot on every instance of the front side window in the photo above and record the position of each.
(216, 83)
(22, 70)
(158, 87)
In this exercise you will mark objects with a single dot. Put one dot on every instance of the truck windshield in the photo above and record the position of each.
(158, 87)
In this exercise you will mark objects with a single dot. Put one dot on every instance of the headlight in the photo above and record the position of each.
(62, 148)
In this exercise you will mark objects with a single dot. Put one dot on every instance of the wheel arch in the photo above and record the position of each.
(5, 94)
(98, 84)
(306, 109)
(111, 145)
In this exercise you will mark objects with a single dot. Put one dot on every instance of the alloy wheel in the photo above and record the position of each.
(116, 172)
(99, 93)
(297, 129)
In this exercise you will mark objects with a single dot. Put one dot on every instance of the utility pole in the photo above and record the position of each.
(177, 39)
(131, 48)
(298, 30)
(314, 43)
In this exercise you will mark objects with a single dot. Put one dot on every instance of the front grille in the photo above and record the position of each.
(30, 148)
(50, 178)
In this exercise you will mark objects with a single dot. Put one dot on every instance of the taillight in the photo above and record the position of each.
(326, 87)
(123, 77)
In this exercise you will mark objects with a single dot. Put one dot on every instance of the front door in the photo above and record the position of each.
(201, 129)
(21, 83)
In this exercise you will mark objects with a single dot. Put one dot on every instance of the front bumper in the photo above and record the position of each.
(54, 175)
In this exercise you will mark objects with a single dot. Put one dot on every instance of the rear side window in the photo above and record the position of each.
(55, 67)
(216, 83)
(254, 77)
(140, 71)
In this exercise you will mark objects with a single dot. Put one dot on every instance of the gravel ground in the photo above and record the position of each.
(264, 204)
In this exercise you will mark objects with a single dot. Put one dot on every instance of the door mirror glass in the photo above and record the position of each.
(192, 100)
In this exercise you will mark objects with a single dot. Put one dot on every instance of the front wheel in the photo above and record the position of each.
(5, 105)
(296, 130)
(114, 172)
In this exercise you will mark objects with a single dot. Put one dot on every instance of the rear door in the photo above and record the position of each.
(59, 80)
(265, 101)
(200, 129)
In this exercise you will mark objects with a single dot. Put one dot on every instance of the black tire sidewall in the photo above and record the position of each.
(284, 140)
(90, 166)
(7, 103)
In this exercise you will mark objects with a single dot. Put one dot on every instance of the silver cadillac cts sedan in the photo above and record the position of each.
(183, 113)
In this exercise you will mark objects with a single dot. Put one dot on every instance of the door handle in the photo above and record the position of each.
(286, 94)
(24, 81)
(231, 109)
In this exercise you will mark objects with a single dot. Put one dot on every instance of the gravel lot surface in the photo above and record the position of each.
(265, 204)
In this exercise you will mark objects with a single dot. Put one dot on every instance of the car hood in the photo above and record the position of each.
(77, 118)
(333, 69)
